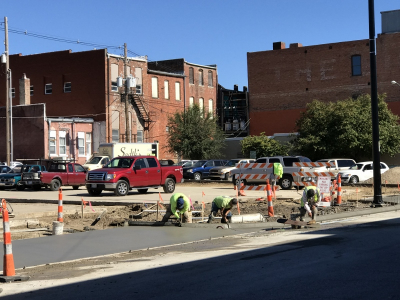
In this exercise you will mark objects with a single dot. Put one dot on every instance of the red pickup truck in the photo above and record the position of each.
(61, 173)
(124, 173)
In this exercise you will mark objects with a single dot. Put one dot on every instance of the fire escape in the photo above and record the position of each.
(137, 101)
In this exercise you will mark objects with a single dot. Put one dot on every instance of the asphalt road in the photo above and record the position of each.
(359, 262)
(194, 190)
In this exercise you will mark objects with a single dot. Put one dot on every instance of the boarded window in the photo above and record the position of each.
(201, 80)
(177, 91)
(210, 78)
(191, 76)
(191, 101)
(166, 89)
(81, 143)
(154, 87)
(114, 75)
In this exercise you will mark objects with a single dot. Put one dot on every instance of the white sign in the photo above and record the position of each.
(324, 184)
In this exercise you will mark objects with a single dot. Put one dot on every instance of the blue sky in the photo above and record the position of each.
(203, 32)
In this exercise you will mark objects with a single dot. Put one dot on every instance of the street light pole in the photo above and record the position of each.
(377, 202)
(8, 91)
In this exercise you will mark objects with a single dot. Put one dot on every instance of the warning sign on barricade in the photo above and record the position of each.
(324, 184)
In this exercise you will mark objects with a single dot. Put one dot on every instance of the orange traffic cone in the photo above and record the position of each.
(241, 192)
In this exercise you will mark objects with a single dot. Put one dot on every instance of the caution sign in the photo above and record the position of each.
(324, 184)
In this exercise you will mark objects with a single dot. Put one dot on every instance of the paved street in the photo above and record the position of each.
(194, 190)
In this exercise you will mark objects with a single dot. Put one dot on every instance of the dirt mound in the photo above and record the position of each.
(392, 176)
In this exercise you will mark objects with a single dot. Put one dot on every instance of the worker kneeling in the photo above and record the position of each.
(309, 202)
(179, 207)
(223, 204)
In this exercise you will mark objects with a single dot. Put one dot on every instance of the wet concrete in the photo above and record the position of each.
(45, 250)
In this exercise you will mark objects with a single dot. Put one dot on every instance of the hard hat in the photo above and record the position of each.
(179, 203)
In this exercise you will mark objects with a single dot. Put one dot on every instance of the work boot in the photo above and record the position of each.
(311, 222)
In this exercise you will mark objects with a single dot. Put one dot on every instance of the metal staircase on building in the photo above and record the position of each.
(141, 111)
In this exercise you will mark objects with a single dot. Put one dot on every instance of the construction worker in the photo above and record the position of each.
(223, 204)
(179, 207)
(309, 202)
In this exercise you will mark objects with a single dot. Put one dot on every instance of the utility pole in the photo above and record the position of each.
(377, 202)
(126, 94)
(8, 88)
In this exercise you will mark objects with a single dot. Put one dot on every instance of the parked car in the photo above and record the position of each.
(31, 178)
(340, 165)
(166, 162)
(96, 162)
(5, 169)
(223, 171)
(187, 163)
(127, 172)
(62, 174)
(360, 172)
(285, 181)
(12, 178)
(201, 169)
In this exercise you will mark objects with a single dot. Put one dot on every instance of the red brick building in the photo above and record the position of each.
(87, 85)
(282, 81)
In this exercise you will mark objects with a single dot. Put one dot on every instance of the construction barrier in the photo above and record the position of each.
(269, 198)
(339, 191)
(60, 206)
(8, 260)
(315, 164)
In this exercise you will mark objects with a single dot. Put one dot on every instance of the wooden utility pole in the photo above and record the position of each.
(127, 139)
(8, 148)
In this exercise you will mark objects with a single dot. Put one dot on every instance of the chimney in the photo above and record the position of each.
(278, 45)
(244, 89)
(24, 91)
(295, 45)
(235, 87)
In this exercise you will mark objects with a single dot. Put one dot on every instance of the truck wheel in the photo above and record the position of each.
(286, 182)
(37, 187)
(197, 176)
(94, 192)
(54, 185)
(226, 176)
(122, 188)
(142, 191)
(169, 186)
(20, 187)
(75, 187)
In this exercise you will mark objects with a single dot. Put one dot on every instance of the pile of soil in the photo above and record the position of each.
(392, 176)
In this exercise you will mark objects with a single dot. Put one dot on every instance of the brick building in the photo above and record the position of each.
(86, 85)
(283, 80)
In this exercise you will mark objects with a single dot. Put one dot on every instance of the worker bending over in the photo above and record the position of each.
(309, 202)
(179, 207)
(223, 204)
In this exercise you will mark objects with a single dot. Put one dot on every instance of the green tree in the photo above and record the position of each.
(263, 145)
(195, 134)
(344, 129)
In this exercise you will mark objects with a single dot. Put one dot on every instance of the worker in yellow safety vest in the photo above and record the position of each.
(179, 207)
(223, 204)
(309, 202)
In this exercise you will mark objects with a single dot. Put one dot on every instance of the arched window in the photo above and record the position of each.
(191, 76)
(210, 78)
(201, 80)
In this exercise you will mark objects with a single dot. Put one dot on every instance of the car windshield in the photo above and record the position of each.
(199, 163)
(181, 163)
(232, 163)
(120, 163)
(356, 167)
(94, 160)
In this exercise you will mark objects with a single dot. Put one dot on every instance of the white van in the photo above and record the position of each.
(96, 162)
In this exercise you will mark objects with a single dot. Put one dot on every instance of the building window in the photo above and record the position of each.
(139, 137)
(201, 105)
(356, 65)
(138, 89)
(154, 87)
(210, 78)
(81, 143)
(167, 128)
(210, 107)
(177, 91)
(166, 89)
(115, 126)
(88, 144)
(67, 87)
(191, 101)
(12, 92)
(48, 88)
(31, 90)
(114, 75)
(191, 75)
(52, 143)
(63, 142)
(201, 81)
